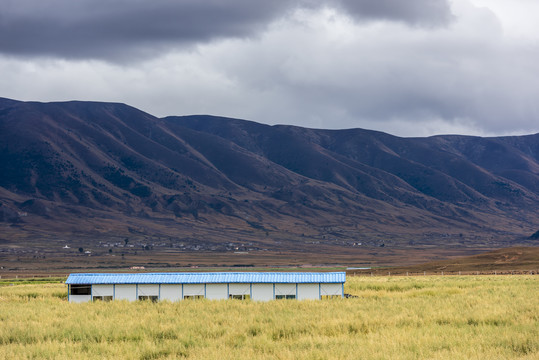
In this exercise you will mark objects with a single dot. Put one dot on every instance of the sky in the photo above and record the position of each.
(409, 68)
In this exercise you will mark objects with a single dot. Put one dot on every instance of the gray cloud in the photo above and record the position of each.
(308, 63)
(120, 30)
(418, 12)
(123, 28)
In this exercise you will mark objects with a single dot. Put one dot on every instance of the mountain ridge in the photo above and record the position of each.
(95, 171)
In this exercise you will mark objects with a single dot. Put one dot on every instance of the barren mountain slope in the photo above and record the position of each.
(102, 171)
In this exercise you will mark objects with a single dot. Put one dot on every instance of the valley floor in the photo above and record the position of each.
(450, 317)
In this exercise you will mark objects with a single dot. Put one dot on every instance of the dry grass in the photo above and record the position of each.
(504, 261)
(313, 254)
(393, 318)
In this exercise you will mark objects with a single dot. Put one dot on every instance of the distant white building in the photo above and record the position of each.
(258, 286)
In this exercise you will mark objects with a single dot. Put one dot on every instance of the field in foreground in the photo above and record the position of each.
(446, 317)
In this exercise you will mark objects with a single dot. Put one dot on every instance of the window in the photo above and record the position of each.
(152, 298)
(324, 297)
(80, 289)
(193, 297)
(102, 298)
(287, 297)
(240, 297)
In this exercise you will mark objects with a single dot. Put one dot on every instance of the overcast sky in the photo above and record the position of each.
(410, 68)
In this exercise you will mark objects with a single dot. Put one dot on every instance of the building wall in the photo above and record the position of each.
(239, 289)
(216, 291)
(262, 292)
(148, 290)
(102, 290)
(176, 292)
(331, 289)
(126, 292)
(308, 292)
(193, 289)
(79, 298)
(285, 289)
(171, 292)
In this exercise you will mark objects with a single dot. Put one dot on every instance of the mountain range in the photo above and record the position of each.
(101, 171)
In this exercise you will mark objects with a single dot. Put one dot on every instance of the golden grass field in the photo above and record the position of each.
(433, 317)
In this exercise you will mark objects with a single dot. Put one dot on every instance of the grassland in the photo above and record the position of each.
(446, 317)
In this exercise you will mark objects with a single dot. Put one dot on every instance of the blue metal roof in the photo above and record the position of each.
(208, 278)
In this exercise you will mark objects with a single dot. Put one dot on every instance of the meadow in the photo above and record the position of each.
(433, 317)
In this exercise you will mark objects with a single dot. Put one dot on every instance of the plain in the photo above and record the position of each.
(434, 317)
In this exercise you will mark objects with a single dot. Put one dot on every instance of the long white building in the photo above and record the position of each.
(259, 286)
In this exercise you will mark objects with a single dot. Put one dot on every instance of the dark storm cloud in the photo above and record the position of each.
(103, 28)
(123, 29)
